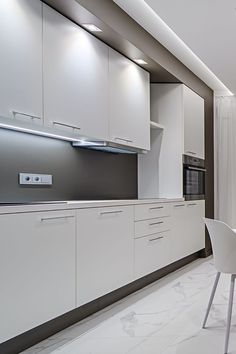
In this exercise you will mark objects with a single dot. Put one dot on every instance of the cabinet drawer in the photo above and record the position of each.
(152, 226)
(151, 211)
(151, 253)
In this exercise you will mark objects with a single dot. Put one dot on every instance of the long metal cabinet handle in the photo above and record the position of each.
(156, 223)
(153, 208)
(111, 212)
(122, 139)
(57, 217)
(26, 114)
(191, 204)
(178, 205)
(156, 238)
(66, 125)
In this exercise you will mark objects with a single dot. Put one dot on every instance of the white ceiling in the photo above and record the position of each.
(200, 33)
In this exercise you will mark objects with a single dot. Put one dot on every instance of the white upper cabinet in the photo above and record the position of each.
(129, 108)
(75, 70)
(193, 123)
(21, 60)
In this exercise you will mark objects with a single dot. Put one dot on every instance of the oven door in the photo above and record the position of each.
(194, 182)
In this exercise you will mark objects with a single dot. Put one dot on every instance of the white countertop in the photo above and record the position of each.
(78, 204)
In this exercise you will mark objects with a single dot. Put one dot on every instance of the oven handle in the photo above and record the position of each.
(196, 168)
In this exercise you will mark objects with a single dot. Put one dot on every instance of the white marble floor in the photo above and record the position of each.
(163, 318)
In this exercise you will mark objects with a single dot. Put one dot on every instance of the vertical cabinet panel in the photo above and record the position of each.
(195, 211)
(21, 60)
(193, 124)
(75, 77)
(129, 102)
(179, 231)
(37, 269)
(104, 251)
(161, 170)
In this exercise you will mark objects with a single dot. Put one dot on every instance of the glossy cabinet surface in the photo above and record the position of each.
(104, 251)
(75, 69)
(37, 269)
(129, 102)
(21, 60)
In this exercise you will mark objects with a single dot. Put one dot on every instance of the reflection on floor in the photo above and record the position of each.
(163, 318)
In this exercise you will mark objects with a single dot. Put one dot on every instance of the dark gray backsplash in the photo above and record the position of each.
(77, 173)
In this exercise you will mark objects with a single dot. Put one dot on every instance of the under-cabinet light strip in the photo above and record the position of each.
(46, 134)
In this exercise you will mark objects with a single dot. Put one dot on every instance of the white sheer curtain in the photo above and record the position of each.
(225, 159)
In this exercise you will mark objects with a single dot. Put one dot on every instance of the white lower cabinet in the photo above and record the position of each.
(152, 238)
(188, 230)
(105, 238)
(152, 252)
(54, 261)
(37, 269)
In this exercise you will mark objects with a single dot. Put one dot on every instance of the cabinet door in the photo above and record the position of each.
(21, 60)
(104, 251)
(193, 123)
(37, 269)
(188, 230)
(75, 77)
(129, 102)
(179, 231)
(195, 211)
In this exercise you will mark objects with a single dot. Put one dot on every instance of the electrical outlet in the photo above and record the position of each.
(35, 179)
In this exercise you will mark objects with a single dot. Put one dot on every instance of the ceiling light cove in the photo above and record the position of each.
(149, 19)
(90, 27)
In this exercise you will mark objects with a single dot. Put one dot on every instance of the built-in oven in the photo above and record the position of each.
(193, 178)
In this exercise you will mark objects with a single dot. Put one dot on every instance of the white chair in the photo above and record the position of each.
(223, 240)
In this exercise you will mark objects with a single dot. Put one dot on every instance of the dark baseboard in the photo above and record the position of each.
(205, 253)
(37, 334)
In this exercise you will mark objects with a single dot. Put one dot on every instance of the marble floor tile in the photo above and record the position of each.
(163, 318)
(92, 345)
(153, 345)
(206, 344)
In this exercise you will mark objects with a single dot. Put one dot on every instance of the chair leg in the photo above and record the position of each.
(211, 298)
(229, 316)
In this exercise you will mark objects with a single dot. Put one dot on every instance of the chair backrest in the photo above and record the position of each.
(223, 240)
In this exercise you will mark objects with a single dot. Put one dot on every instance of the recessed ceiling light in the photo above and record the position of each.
(91, 27)
(140, 61)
